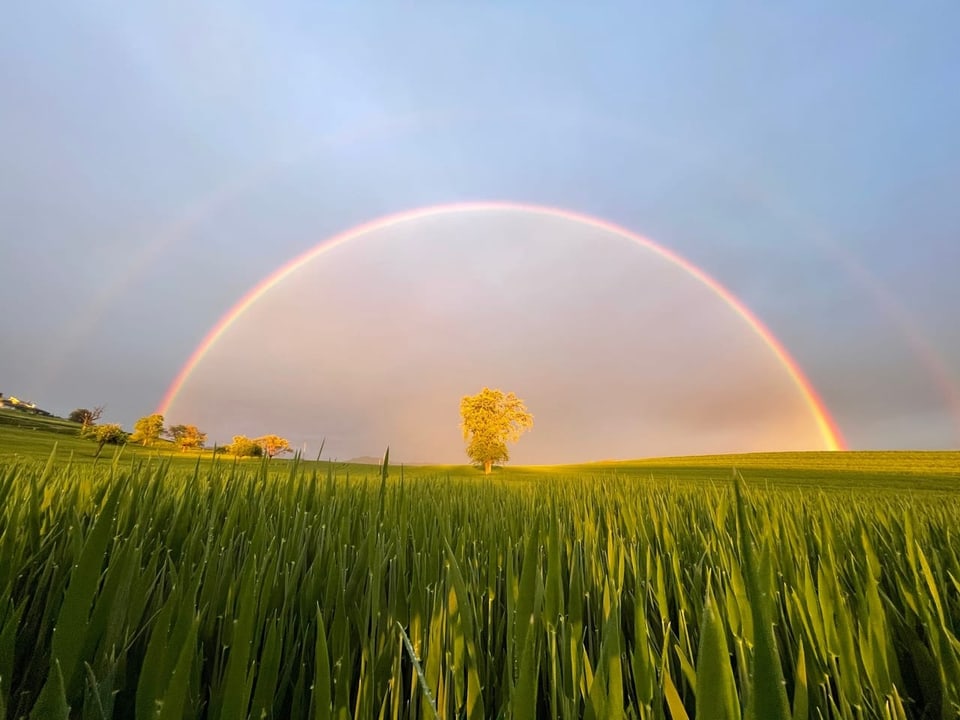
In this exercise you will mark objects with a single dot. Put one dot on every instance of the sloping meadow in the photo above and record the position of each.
(140, 591)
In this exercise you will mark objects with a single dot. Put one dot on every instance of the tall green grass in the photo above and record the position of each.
(232, 591)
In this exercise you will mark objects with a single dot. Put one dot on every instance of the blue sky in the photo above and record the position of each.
(158, 161)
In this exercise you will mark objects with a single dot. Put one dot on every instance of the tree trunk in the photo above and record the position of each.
(487, 466)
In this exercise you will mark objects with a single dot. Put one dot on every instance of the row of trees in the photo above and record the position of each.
(269, 445)
(489, 420)
(150, 428)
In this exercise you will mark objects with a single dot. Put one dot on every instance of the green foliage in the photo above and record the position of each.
(187, 437)
(716, 689)
(81, 415)
(489, 420)
(109, 433)
(229, 591)
(147, 430)
(242, 446)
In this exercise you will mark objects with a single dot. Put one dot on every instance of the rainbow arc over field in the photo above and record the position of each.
(830, 433)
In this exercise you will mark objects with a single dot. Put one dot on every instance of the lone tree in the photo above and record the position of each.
(273, 445)
(489, 420)
(86, 417)
(108, 433)
(187, 437)
(147, 429)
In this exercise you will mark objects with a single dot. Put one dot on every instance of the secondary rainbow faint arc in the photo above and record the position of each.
(828, 429)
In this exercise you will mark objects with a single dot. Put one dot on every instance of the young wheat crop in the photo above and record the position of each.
(137, 591)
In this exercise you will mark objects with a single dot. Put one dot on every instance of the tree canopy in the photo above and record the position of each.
(147, 429)
(242, 446)
(108, 433)
(273, 445)
(187, 437)
(489, 420)
(85, 416)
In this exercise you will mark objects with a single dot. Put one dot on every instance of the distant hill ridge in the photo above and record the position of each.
(365, 460)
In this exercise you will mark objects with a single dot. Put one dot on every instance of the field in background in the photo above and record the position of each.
(25, 437)
(158, 586)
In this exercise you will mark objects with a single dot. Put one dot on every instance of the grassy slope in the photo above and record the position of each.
(28, 437)
(32, 437)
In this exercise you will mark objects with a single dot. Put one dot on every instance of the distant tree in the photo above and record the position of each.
(86, 417)
(273, 445)
(242, 446)
(187, 437)
(147, 430)
(108, 433)
(489, 420)
(194, 439)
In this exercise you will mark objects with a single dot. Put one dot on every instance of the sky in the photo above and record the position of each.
(159, 161)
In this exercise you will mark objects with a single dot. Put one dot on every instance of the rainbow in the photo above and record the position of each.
(828, 429)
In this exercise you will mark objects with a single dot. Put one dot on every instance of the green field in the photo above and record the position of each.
(146, 584)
